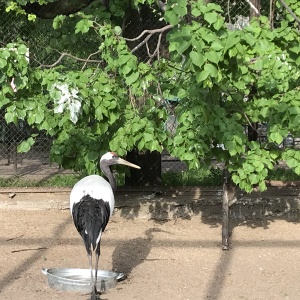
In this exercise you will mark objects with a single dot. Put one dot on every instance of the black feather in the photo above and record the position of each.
(90, 216)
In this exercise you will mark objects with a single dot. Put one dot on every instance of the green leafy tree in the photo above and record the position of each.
(102, 96)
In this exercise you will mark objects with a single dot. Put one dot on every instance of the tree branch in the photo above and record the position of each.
(88, 58)
(62, 55)
(253, 7)
(143, 42)
(161, 5)
(156, 51)
(146, 39)
(152, 31)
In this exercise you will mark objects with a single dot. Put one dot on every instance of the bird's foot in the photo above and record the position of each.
(95, 297)
(95, 294)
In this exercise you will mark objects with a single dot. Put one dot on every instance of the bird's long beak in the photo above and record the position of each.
(122, 161)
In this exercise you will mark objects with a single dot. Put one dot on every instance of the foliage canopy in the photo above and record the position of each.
(225, 79)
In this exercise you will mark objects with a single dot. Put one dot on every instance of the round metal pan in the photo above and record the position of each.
(80, 279)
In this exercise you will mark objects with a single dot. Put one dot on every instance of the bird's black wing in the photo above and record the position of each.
(90, 217)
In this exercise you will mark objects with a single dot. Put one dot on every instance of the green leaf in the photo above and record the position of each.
(141, 144)
(219, 23)
(292, 163)
(276, 137)
(182, 46)
(201, 76)
(39, 118)
(254, 178)
(197, 58)
(211, 17)
(188, 156)
(294, 110)
(148, 137)
(22, 49)
(178, 140)
(196, 12)
(83, 26)
(216, 45)
(213, 56)
(133, 77)
(55, 94)
(171, 17)
(58, 21)
(112, 117)
(3, 62)
(25, 146)
(232, 40)
(118, 30)
(123, 59)
(180, 10)
(212, 70)
(249, 38)
(126, 69)
(4, 54)
(262, 186)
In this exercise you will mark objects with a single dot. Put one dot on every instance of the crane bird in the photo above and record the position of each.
(91, 204)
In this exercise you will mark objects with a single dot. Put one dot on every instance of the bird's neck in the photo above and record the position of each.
(108, 174)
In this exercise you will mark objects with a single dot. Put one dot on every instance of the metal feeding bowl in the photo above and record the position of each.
(80, 279)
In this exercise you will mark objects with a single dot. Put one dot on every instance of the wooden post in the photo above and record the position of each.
(225, 216)
(15, 157)
(228, 199)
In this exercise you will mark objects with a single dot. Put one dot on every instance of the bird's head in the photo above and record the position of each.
(112, 158)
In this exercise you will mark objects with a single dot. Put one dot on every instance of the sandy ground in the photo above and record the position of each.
(176, 260)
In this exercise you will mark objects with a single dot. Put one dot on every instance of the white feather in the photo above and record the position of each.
(95, 186)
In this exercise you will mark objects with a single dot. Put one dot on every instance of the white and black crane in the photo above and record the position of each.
(91, 204)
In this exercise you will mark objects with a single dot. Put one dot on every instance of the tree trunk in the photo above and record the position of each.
(228, 199)
(256, 3)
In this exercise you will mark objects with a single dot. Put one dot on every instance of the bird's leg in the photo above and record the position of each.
(96, 270)
(91, 267)
(95, 293)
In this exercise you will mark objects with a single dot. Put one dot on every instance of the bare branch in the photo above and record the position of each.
(143, 42)
(152, 31)
(290, 11)
(148, 50)
(271, 14)
(158, 45)
(147, 38)
(253, 7)
(132, 100)
(156, 51)
(228, 12)
(62, 55)
(161, 5)
(92, 54)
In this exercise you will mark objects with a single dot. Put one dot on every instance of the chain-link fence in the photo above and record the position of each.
(37, 36)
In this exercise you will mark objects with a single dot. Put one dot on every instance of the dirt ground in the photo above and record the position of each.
(178, 260)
